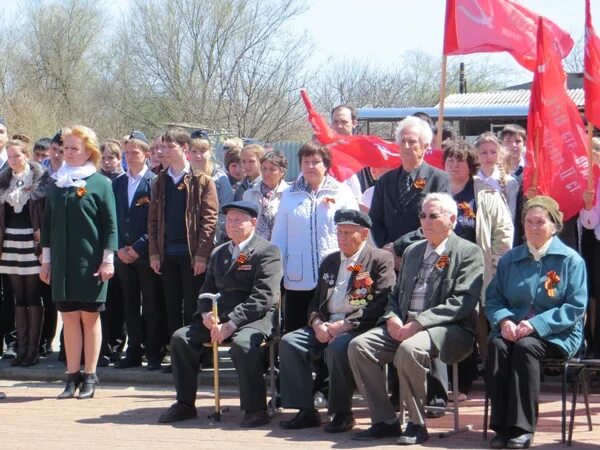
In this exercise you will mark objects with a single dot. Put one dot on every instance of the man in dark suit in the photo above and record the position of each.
(140, 285)
(399, 193)
(247, 273)
(429, 315)
(350, 298)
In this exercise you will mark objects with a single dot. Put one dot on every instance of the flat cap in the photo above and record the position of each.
(242, 205)
(135, 134)
(200, 134)
(352, 217)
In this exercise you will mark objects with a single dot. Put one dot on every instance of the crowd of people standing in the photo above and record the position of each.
(417, 272)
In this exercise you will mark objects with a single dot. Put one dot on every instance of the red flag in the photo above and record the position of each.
(554, 124)
(350, 154)
(474, 26)
(591, 79)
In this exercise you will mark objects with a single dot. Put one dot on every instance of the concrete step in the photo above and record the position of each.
(50, 369)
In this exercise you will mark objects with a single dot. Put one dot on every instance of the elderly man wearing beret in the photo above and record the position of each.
(247, 273)
(350, 297)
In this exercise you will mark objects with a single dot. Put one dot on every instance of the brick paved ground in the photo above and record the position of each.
(126, 417)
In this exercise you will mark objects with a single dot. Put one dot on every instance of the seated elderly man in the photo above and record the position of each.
(428, 316)
(351, 294)
(247, 273)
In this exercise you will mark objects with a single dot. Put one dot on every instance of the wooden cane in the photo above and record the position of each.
(215, 348)
(215, 310)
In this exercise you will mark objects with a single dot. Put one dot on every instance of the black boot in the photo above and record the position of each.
(89, 386)
(73, 382)
(21, 325)
(36, 318)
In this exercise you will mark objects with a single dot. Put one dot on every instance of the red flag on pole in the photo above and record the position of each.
(350, 154)
(591, 79)
(474, 26)
(558, 166)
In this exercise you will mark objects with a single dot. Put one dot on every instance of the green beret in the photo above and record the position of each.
(549, 205)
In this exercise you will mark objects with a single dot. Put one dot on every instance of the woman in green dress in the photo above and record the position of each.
(79, 238)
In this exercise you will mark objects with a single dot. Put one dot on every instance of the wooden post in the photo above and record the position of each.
(440, 121)
(590, 180)
(536, 149)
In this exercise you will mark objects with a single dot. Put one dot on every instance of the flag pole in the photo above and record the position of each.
(536, 149)
(590, 177)
(440, 121)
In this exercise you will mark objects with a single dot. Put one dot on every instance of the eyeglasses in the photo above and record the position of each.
(432, 216)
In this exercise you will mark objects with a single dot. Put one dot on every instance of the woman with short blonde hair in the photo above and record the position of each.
(79, 238)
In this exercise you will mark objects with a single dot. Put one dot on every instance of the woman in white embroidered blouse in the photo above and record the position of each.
(304, 229)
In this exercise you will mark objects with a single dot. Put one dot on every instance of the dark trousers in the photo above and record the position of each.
(50, 314)
(7, 321)
(142, 298)
(298, 351)
(295, 317)
(513, 381)
(113, 319)
(295, 309)
(181, 289)
(187, 352)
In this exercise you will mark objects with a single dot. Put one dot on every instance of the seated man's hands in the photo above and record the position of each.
(209, 320)
(394, 328)
(400, 332)
(336, 328)
(219, 333)
(409, 330)
(321, 331)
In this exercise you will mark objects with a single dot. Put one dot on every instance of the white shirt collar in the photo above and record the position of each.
(186, 170)
(242, 245)
(352, 258)
(3, 157)
(439, 249)
(139, 176)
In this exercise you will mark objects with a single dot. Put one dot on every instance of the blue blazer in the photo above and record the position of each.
(132, 220)
(518, 289)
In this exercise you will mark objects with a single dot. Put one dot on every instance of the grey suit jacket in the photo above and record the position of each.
(249, 289)
(450, 300)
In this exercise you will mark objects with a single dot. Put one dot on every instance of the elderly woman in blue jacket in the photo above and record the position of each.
(535, 305)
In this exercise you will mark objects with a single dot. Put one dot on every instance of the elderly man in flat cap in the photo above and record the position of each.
(247, 273)
(428, 315)
(350, 297)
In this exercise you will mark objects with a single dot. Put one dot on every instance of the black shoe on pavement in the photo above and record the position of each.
(305, 418)
(340, 423)
(178, 412)
(377, 431)
(255, 419)
(414, 434)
